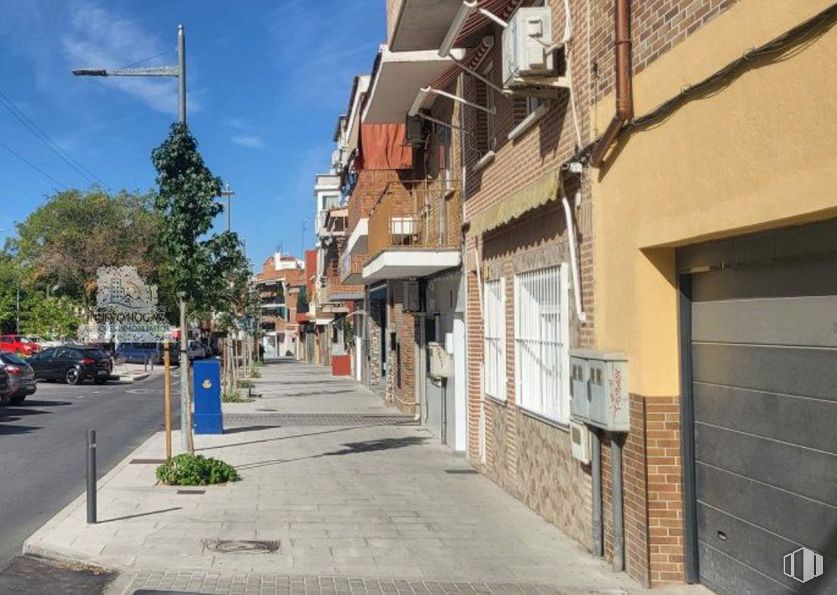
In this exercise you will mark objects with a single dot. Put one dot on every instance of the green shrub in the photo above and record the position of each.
(255, 373)
(195, 470)
(232, 397)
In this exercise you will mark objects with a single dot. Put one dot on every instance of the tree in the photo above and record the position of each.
(65, 240)
(53, 317)
(200, 263)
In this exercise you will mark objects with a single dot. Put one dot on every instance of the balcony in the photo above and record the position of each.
(351, 268)
(414, 230)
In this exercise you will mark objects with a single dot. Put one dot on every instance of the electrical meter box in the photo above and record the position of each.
(206, 385)
(599, 389)
(441, 363)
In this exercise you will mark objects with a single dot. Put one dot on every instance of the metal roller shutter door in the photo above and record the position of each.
(764, 389)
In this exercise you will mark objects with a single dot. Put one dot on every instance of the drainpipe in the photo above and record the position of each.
(616, 499)
(596, 447)
(624, 97)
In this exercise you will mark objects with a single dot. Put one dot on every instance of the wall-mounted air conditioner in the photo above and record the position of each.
(529, 33)
(416, 130)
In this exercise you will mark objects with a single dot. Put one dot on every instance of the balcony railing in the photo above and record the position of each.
(351, 264)
(425, 214)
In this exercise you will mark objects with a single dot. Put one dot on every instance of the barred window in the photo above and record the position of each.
(495, 339)
(541, 338)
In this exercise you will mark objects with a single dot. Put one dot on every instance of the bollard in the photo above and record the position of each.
(91, 476)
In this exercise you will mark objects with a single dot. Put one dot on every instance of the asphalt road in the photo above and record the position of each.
(43, 447)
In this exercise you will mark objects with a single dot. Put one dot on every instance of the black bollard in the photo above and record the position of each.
(91, 476)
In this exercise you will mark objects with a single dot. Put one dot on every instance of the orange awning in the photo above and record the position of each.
(384, 146)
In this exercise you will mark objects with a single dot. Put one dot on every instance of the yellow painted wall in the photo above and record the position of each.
(758, 153)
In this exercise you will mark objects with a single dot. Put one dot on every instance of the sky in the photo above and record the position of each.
(266, 83)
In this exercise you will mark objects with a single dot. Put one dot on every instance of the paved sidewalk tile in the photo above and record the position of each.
(334, 486)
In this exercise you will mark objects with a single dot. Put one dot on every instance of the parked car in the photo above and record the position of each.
(73, 364)
(18, 344)
(139, 353)
(195, 350)
(5, 386)
(21, 378)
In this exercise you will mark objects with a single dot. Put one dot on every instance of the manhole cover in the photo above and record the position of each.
(240, 546)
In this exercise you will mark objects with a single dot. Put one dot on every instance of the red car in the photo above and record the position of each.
(18, 344)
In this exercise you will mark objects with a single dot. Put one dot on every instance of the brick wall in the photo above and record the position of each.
(665, 497)
(657, 26)
(401, 354)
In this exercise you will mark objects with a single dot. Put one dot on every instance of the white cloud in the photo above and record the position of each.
(251, 141)
(98, 38)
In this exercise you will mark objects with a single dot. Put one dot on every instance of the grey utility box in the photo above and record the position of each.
(599, 387)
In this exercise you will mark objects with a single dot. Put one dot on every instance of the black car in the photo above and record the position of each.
(21, 378)
(5, 387)
(72, 364)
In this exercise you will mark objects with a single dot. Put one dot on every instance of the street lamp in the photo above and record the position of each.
(178, 71)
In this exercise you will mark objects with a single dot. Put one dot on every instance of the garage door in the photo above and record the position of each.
(764, 389)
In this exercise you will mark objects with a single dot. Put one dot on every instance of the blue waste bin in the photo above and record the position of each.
(206, 384)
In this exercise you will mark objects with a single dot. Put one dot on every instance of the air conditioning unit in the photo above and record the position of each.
(416, 130)
(411, 295)
(525, 44)
(580, 436)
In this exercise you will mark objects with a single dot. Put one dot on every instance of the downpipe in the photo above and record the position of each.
(596, 472)
(616, 499)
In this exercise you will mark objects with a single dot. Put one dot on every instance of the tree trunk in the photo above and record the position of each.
(186, 441)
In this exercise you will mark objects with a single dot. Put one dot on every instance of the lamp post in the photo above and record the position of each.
(178, 72)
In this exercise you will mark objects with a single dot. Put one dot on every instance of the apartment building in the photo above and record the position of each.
(280, 277)
(596, 245)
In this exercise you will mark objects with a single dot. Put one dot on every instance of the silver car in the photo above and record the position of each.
(21, 379)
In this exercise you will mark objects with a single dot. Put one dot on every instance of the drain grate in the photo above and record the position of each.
(196, 492)
(462, 471)
(147, 461)
(316, 419)
(241, 546)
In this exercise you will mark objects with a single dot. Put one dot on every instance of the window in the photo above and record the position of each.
(495, 339)
(541, 331)
(533, 103)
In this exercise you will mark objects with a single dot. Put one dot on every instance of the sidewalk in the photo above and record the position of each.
(128, 373)
(338, 493)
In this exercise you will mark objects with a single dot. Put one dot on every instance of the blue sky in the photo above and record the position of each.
(267, 81)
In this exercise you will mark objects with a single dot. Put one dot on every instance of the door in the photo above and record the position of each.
(64, 359)
(763, 357)
(432, 386)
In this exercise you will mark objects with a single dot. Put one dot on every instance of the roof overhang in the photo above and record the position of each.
(422, 24)
(404, 264)
(398, 79)
(358, 242)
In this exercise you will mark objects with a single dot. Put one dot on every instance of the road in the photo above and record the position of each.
(42, 447)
